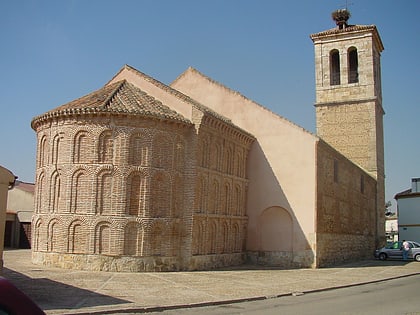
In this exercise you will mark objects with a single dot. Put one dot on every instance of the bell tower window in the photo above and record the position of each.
(334, 67)
(353, 75)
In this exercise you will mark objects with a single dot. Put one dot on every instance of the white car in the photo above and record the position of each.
(394, 251)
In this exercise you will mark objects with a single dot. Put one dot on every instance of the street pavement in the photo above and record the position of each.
(64, 291)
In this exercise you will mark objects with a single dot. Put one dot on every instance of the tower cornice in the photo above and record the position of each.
(335, 33)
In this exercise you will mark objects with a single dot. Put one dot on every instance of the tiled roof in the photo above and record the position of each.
(348, 29)
(179, 95)
(120, 97)
(29, 187)
(407, 193)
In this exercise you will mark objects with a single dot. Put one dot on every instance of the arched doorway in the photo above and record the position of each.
(276, 230)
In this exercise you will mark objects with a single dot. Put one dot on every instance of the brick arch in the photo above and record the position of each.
(80, 191)
(177, 196)
(226, 202)
(161, 186)
(104, 185)
(80, 147)
(216, 156)
(43, 151)
(238, 202)
(201, 199)
(133, 239)
(77, 232)
(57, 143)
(212, 236)
(38, 235)
(162, 151)
(239, 163)
(105, 147)
(40, 192)
(237, 238)
(175, 238)
(55, 193)
(198, 237)
(224, 237)
(139, 149)
(158, 239)
(102, 240)
(214, 196)
(275, 230)
(136, 191)
(204, 151)
(53, 234)
(228, 160)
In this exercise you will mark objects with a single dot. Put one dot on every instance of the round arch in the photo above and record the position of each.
(275, 230)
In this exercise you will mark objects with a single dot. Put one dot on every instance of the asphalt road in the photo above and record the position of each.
(393, 297)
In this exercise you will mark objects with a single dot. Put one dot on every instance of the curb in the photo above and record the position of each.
(151, 309)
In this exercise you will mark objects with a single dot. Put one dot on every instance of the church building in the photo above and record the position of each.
(144, 176)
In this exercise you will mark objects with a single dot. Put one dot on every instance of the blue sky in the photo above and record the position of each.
(55, 51)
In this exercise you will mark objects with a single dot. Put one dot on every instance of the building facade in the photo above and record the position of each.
(7, 180)
(142, 176)
(408, 209)
(20, 208)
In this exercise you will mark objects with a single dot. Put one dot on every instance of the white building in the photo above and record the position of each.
(408, 207)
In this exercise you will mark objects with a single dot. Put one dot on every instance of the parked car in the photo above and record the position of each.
(394, 251)
(15, 302)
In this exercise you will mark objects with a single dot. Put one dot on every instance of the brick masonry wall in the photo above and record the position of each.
(346, 209)
(349, 113)
(120, 193)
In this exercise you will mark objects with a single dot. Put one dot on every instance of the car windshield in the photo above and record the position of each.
(416, 245)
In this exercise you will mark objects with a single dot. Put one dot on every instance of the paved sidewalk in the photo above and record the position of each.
(62, 291)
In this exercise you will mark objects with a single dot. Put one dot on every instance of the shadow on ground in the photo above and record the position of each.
(352, 264)
(50, 295)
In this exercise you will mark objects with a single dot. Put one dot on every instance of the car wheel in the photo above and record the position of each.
(417, 257)
(382, 256)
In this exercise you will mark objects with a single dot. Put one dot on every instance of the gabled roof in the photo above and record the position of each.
(177, 95)
(174, 92)
(238, 94)
(120, 97)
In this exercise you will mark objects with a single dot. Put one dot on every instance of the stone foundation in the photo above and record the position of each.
(282, 259)
(135, 264)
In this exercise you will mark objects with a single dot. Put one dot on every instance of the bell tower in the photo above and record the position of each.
(349, 113)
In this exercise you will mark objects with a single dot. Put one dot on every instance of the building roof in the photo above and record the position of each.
(168, 89)
(237, 93)
(406, 194)
(350, 29)
(120, 97)
(28, 187)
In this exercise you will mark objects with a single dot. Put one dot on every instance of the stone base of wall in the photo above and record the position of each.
(135, 264)
(303, 259)
(106, 263)
(208, 262)
(333, 249)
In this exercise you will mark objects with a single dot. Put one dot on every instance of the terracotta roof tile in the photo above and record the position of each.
(120, 97)
(350, 28)
(179, 95)
(29, 187)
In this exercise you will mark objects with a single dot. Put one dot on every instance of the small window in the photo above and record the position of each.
(362, 184)
(334, 67)
(353, 65)
(335, 171)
